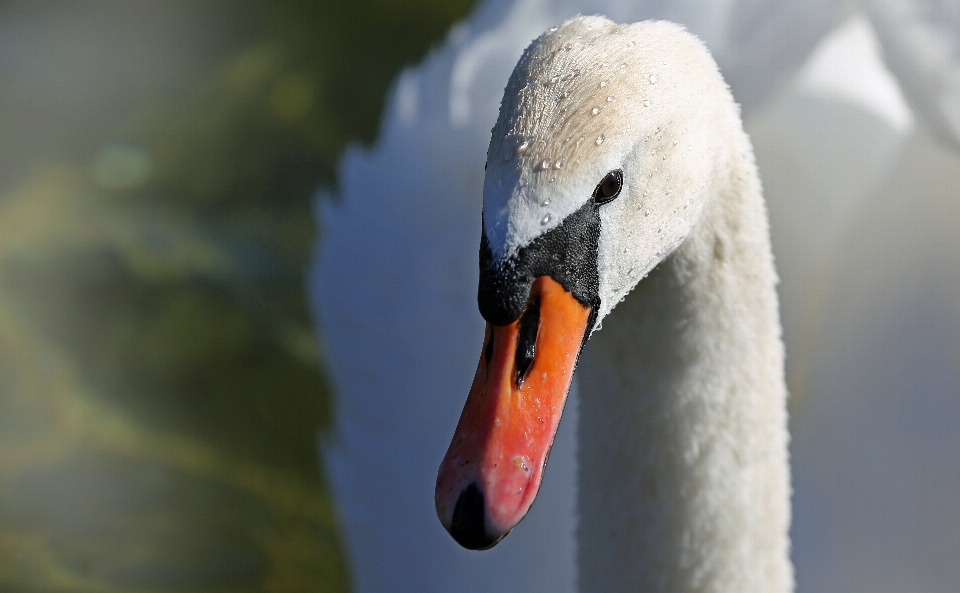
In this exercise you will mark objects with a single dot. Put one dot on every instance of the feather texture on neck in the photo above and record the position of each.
(684, 480)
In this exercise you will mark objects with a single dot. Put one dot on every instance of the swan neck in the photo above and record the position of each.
(683, 461)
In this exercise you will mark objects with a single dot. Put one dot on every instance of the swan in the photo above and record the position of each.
(619, 162)
(394, 281)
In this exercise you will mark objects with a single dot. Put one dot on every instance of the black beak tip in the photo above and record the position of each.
(468, 526)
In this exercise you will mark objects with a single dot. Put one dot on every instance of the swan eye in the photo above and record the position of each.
(609, 187)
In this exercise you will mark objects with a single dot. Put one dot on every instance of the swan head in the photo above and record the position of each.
(599, 166)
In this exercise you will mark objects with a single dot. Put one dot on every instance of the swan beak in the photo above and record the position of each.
(491, 473)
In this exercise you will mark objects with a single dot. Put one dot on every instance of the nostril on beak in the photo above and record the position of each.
(527, 340)
(468, 526)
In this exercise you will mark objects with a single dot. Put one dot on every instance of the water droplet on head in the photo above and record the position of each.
(623, 66)
(646, 103)
(631, 44)
(545, 219)
(545, 202)
(595, 110)
(553, 29)
(545, 164)
(647, 212)
(523, 147)
(559, 163)
(653, 79)
(674, 142)
(609, 99)
(604, 83)
(600, 139)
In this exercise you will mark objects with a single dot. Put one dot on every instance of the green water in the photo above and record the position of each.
(160, 387)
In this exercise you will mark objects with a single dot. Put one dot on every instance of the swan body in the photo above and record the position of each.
(683, 462)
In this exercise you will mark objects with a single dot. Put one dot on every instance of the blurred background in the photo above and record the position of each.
(164, 166)
(160, 387)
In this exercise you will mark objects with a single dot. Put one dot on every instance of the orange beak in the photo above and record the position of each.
(491, 473)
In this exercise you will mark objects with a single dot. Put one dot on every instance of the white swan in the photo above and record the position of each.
(619, 151)
(394, 283)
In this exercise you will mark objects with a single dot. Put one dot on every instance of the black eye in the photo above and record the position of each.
(609, 187)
